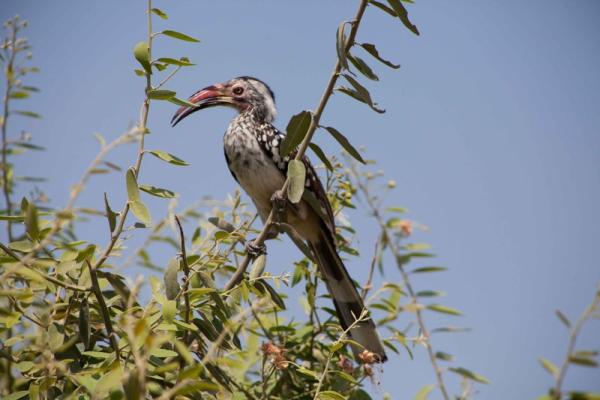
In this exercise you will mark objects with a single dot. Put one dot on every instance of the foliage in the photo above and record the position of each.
(73, 325)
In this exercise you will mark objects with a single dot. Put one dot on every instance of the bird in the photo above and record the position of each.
(252, 152)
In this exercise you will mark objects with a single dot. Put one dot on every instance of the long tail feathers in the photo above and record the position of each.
(347, 301)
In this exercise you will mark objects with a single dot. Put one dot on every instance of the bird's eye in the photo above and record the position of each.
(238, 90)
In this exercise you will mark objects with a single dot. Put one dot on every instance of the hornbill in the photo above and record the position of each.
(252, 153)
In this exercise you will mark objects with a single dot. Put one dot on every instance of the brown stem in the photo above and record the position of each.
(368, 284)
(397, 256)
(186, 282)
(258, 242)
(103, 309)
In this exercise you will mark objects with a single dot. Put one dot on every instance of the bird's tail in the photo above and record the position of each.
(347, 301)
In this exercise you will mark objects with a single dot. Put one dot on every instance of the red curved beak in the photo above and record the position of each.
(208, 97)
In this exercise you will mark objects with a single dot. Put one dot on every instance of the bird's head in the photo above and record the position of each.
(245, 94)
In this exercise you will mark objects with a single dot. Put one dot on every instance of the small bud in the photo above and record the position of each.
(405, 227)
(391, 184)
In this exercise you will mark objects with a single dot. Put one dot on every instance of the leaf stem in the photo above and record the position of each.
(186, 282)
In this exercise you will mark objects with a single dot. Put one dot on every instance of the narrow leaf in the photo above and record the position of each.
(182, 62)
(343, 141)
(443, 309)
(423, 393)
(170, 278)
(160, 94)
(158, 192)
(170, 158)
(362, 67)
(372, 50)
(563, 318)
(341, 45)
(319, 152)
(31, 221)
(29, 114)
(111, 216)
(221, 224)
(428, 269)
(140, 210)
(549, 366)
(470, 375)
(296, 131)
(180, 36)
(383, 7)
(160, 13)
(258, 266)
(361, 93)
(297, 174)
(133, 192)
(403, 15)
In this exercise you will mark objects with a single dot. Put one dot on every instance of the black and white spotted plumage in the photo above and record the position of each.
(251, 145)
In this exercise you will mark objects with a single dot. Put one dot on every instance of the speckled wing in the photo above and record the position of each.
(270, 139)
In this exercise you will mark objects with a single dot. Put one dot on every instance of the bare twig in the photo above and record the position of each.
(259, 241)
(376, 254)
(186, 282)
(573, 334)
(388, 238)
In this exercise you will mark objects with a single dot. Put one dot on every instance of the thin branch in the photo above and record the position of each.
(585, 316)
(259, 241)
(397, 256)
(186, 282)
(376, 254)
(103, 309)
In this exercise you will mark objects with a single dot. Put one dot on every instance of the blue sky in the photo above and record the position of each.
(492, 132)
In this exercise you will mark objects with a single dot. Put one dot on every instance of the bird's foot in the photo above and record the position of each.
(279, 201)
(253, 250)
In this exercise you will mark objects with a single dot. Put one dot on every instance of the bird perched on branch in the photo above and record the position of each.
(252, 152)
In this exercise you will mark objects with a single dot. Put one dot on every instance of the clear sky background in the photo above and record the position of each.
(492, 132)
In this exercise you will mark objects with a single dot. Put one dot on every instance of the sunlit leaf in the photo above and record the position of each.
(31, 221)
(141, 212)
(258, 266)
(182, 62)
(158, 192)
(141, 52)
(170, 278)
(179, 35)
(170, 158)
(297, 175)
(330, 395)
(160, 13)
(160, 94)
(549, 366)
(423, 393)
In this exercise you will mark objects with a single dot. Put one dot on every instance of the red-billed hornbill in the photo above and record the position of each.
(252, 153)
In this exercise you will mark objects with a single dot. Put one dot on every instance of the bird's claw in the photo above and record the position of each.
(255, 251)
(279, 201)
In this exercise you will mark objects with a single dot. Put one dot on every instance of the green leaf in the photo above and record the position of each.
(180, 102)
(170, 278)
(221, 224)
(133, 192)
(341, 45)
(160, 13)
(470, 375)
(360, 93)
(182, 62)
(29, 114)
(111, 216)
(31, 221)
(141, 52)
(84, 323)
(423, 393)
(296, 130)
(403, 15)
(169, 310)
(549, 366)
(383, 7)
(429, 293)
(583, 359)
(360, 395)
(563, 318)
(170, 158)
(330, 395)
(158, 192)
(422, 270)
(159, 94)
(319, 152)
(141, 212)
(307, 372)
(18, 95)
(362, 67)
(443, 356)
(297, 175)
(372, 50)
(109, 381)
(443, 309)
(258, 266)
(179, 35)
(343, 141)
(16, 395)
